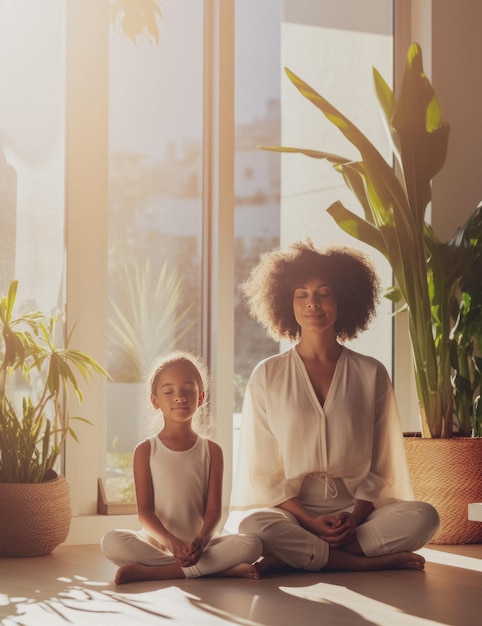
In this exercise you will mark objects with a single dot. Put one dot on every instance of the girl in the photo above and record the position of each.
(178, 483)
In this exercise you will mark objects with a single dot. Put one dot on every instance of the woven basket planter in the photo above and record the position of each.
(34, 517)
(448, 474)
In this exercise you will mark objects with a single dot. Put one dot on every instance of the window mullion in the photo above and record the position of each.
(218, 205)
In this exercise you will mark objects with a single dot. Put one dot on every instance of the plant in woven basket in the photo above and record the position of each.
(394, 198)
(35, 377)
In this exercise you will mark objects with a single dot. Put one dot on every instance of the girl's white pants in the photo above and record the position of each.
(128, 546)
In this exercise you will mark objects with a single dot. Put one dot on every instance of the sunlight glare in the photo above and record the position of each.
(453, 560)
(372, 610)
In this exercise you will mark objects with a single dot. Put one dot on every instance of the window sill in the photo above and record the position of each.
(89, 529)
(104, 507)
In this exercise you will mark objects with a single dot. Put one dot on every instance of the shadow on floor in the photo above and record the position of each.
(74, 586)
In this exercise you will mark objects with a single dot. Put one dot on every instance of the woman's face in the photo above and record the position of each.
(314, 305)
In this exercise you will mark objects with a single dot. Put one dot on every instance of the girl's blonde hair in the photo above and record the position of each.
(202, 419)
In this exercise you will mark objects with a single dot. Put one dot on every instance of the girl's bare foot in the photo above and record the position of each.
(242, 570)
(133, 572)
(271, 565)
(136, 572)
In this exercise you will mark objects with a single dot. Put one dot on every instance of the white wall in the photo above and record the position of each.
(457, 78)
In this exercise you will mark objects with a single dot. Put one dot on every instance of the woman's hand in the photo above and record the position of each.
(337, 530)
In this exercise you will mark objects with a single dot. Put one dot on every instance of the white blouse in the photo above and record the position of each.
(287, 435)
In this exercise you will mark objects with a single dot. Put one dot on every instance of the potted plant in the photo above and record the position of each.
(35, 377)
(430, 274)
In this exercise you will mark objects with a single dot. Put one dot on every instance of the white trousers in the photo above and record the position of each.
(397, 527)
(128, 546)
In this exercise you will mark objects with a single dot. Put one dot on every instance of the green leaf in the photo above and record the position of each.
(423, 137)
(314, 154)
(356, 226)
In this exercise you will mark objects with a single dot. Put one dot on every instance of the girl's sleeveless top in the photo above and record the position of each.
(180, 481)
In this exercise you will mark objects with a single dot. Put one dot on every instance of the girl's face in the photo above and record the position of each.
(178, 393)
(314, 305)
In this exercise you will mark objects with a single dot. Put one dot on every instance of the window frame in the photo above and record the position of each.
(87, 231)
(87, 74)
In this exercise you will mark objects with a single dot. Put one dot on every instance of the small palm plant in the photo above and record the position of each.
(35, 377)
(145, 318)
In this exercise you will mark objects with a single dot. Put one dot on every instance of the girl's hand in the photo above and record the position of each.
(180, 551)
(196, 549)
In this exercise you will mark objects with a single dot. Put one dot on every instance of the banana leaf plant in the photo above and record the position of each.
(35, 377)
(394, 198)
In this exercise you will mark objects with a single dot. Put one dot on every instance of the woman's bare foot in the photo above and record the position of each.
(242, 570)
(134, 572)
(401, 560)
(339, 560)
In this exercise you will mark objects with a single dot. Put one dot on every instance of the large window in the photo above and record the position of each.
(115, 156)
(155, 218)
(32, 136)
(333, 45)
(257, 172)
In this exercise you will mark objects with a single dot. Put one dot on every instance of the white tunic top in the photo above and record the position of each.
(287, 435)
(180, 481)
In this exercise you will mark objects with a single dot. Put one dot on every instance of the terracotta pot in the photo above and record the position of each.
(448, 474)
(34, 517)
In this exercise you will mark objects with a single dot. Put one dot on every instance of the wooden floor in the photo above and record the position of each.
(74, 586)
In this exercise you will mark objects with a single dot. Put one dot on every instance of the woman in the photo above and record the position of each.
(322, 476)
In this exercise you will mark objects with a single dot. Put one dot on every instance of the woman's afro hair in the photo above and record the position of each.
(269, 288)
